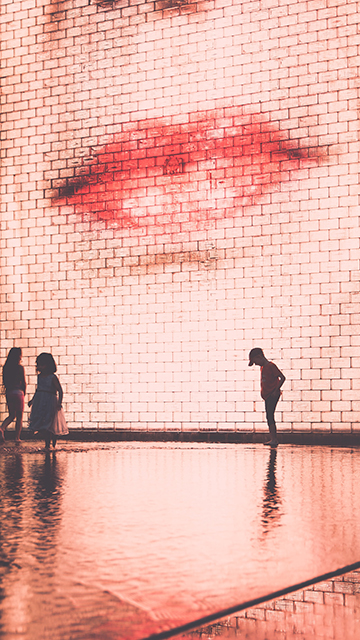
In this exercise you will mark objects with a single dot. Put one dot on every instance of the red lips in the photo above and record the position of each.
(166, 177)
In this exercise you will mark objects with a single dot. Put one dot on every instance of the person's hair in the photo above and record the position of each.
(47, 360)
(12, 367)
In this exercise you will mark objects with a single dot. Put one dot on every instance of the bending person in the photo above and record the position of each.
(271, 381)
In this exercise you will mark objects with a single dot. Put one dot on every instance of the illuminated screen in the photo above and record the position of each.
(180, 185)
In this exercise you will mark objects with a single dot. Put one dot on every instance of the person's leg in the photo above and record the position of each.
(54, 441)
(18, 427)
(270, 406)
(273, 432)
(5, 425)
(19, 415)
(7, 421)
(47, 439)
(10, 418)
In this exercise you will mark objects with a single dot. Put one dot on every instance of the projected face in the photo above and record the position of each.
(170, 146)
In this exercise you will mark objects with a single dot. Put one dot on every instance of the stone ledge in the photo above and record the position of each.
(338, 439)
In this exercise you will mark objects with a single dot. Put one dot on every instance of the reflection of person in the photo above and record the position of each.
(15, 387)
(272, 502)
(272, 380)
(11, 521)
(46, 404)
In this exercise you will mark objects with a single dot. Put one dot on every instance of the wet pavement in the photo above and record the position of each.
(128, 540)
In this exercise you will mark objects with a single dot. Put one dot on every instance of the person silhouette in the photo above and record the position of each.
(15, 388)
(272, 380)
(46, 404)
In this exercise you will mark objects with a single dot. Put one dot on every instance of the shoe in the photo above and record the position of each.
(272, 443)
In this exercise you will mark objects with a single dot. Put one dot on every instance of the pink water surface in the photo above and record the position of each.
(122, 541)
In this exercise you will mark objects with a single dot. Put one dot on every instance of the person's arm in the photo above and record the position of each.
(281, 379)
(23, 380)
(59, 390)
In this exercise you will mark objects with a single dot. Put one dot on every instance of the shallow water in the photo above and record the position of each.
(122, 541)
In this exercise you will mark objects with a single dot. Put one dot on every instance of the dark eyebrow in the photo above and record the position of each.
(57, 11)
(180, 6)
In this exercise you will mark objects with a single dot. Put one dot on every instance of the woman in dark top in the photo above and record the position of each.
(15, 388)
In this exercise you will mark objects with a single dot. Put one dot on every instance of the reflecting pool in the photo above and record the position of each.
(123, 541)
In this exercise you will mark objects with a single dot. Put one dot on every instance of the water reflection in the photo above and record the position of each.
(11, 502)
(11, 517)
(11, 530)
(46, 483)
(129, 540)
(30, 513)
(12, 488)
(271, 509)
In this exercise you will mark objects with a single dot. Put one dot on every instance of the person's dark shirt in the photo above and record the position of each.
(14, 379)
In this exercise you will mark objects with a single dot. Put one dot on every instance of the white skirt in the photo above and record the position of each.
(59, 426)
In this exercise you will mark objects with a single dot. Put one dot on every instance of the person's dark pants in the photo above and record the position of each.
(270, 406)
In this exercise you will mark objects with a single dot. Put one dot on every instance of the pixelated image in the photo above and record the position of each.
(179, 200)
